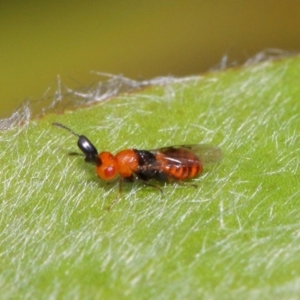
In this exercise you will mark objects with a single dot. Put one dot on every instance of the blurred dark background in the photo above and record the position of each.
(139, 39)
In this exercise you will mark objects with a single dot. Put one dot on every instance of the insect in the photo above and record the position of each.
(168, 164)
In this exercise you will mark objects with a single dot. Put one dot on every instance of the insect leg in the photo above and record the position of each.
(152, 185)
(172, 179)
(118, 196)
(180, 182)
(139, 178)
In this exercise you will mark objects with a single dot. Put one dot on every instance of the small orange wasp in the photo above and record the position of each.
(168, 164)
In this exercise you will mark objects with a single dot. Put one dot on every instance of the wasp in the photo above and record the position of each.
(167, 164)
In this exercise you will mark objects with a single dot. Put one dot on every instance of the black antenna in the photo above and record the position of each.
(84, 144)
(65, 127)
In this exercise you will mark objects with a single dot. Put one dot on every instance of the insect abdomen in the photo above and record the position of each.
(180, 163)
(182, 173)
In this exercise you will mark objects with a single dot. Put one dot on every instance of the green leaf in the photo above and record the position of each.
(236, 236)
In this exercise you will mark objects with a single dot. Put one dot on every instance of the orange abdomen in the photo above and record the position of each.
(180, 163)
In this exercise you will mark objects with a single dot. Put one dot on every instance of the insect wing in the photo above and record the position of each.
(184, 156)
(206, 153)
(187, 155)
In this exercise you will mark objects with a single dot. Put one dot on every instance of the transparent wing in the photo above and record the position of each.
(207, 153)
(186, 155)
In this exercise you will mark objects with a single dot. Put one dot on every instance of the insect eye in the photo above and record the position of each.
(108, 169)
(110, 172)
